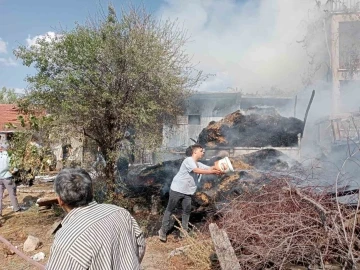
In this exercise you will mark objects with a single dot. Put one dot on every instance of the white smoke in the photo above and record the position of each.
(251, 46)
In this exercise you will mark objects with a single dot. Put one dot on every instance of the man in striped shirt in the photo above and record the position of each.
(93, 236)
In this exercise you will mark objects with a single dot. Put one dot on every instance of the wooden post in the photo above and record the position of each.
(307, 111)
(46, 201)
(356, 128)
(22, 255)
(338, 129)
(333, 130)
(224, 250)
(154, 205)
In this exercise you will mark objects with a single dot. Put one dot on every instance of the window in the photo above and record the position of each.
(349, 52)
(194, 119)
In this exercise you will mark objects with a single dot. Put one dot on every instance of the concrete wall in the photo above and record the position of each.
(179, 135)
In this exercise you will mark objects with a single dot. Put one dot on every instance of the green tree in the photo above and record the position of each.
(113, 74)
(30, 145)
(8, 96)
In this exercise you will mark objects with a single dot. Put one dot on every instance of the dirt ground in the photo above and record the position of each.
(37, 222)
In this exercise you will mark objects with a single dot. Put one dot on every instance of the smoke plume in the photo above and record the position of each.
(249, 45)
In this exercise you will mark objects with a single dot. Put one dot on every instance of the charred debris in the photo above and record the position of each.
(257, 127)
(252, 172)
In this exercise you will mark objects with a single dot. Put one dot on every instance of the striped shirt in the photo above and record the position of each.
(97, 236)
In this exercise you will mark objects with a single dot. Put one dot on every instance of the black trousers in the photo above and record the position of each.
(174, 198)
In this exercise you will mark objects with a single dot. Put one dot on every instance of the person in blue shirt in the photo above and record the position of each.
(7, 181)
(183, 186)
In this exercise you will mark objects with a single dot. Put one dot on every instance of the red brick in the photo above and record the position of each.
(8, 114)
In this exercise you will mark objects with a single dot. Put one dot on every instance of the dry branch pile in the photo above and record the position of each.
(252, 130)
(280, 225)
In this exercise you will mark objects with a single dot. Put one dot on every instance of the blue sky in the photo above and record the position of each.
(22, 19)
(246, 44)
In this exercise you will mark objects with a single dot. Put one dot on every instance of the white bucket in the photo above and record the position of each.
(224, 165)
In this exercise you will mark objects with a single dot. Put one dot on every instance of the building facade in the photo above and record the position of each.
(344, 50)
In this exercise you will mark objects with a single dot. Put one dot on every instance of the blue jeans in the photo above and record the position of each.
(174, 198)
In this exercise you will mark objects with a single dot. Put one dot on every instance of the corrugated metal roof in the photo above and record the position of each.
(8, 114)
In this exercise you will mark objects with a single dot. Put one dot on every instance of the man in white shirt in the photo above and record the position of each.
(6, 180)
(184, 186)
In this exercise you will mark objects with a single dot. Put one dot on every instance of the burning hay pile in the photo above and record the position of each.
(252, 129)
(252, 171)
(257, 128)
(279, 226)
(268, 160)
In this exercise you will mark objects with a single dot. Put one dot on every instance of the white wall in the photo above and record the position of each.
(179, 135)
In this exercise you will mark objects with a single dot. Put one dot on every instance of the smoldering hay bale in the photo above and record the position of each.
(252, 129)
(154, 179)
(267, 160)
(212, 189)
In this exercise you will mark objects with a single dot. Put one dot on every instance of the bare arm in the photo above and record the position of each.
(212, 170)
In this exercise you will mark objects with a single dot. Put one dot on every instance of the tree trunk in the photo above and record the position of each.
(110, 179)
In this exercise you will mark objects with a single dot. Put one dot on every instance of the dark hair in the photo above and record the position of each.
(189, 151)
(74, 187)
